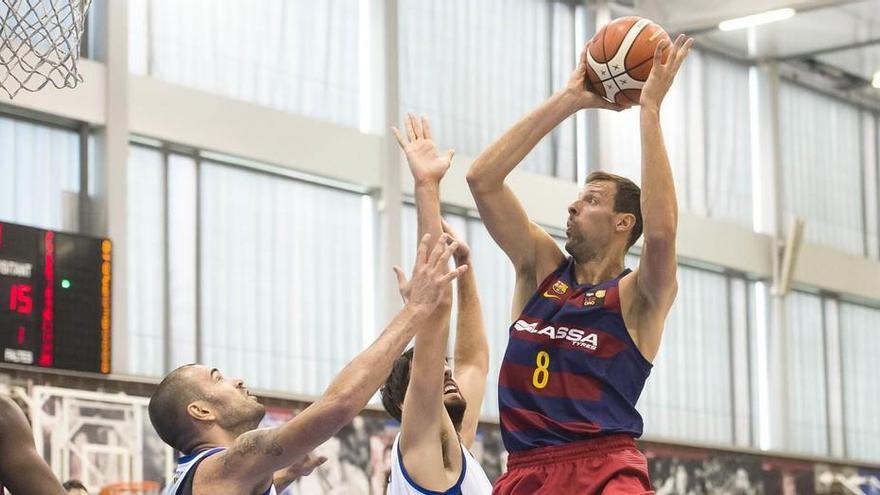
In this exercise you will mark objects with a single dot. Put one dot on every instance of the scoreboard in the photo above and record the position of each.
(54, 299)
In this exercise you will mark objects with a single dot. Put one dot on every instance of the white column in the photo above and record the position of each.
(833, 378)
(600, 120)
(385, 113)
(771, 358)
(871, 166)
(111, 157)
(739, 345)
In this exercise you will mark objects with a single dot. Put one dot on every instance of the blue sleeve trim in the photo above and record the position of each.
(456, 488)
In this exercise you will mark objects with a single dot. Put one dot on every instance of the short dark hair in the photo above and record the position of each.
(627, 199)
(394, 390)
(74, 485)
(168, 405)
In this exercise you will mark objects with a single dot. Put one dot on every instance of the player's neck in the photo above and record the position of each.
(594, 271)
(215, 438)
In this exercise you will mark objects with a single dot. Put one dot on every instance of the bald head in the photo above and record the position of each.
(169, 402)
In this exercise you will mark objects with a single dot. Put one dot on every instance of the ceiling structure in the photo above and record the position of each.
(836, 40)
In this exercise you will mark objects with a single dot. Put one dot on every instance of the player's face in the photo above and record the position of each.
(454, 402)
(237, 409)
(591, 220)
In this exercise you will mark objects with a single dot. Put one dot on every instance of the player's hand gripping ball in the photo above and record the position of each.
(620, 57)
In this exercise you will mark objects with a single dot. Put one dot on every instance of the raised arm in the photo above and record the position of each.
(427, 168)
(655, 278)
(424, 418)
(251, 461)
(471, 347)
(22, 469)
(525, 243)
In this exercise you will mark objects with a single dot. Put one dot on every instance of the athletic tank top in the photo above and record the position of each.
(571, 371)
(472, 481)
(184, 474)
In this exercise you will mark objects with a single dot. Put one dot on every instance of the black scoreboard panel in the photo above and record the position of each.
(54, 299)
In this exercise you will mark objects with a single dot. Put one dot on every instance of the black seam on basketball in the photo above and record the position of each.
(605, 63)
(627, 69)
(619, 90)
(605, 52)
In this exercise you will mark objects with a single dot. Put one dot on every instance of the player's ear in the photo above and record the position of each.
(200, 410)
(625, 222)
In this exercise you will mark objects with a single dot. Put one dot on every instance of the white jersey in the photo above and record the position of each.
(181, 484)
(472, 481)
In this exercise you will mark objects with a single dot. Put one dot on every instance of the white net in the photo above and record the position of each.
(39, 43)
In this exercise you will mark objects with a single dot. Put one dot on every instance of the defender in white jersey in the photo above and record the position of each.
(213, 420)
(438, 408)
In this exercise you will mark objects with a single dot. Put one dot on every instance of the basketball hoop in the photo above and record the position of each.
(39, 43)
(137, 488)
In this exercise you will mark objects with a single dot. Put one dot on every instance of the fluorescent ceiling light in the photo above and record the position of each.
(876, 81)
(756, 19)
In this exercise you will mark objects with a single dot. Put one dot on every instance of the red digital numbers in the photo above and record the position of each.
(20, 299)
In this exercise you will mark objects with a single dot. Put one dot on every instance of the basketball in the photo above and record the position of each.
(620, 57)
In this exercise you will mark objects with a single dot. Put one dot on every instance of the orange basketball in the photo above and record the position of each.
(620, 57)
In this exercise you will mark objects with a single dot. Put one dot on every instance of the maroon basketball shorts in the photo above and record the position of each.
(606, 465)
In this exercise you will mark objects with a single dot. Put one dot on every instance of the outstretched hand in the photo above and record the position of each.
(463, 252)
(663, 73)
(430, 275)
(424, 162)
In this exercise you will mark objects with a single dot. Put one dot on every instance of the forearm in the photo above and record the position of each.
(497, 161)
(360, 379)
(424, 397)
(428, 210)
(658, 201)
(471, 346)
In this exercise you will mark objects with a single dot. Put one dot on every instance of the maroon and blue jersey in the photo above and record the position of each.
(571, 370)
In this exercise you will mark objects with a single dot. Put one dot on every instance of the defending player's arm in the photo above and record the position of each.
(471, 346)
(299, 468)
(655, 282)
(21, 469)
(532, 251)
(249, 464)
(424, 417)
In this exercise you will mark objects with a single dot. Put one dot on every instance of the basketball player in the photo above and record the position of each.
(213, 419)
(585, 329)
(438, 409)
(22, 470)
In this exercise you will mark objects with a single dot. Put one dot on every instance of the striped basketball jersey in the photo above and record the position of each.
(182, 483)
(571, 370)
(472, 481)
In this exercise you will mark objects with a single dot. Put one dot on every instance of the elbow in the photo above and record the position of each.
(474, 178)
(477, 180)
(341, 408)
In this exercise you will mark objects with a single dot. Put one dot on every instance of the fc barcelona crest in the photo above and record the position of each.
(560, 287)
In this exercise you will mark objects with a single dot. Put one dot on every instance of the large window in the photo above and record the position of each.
(39, 174)
(476, 68)
(255, 273)
(821, 151)
(146, 261)
(689, 395)
(860, 346)
(708, 149)
(805, 349)
(281, 278)
(299, 56)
